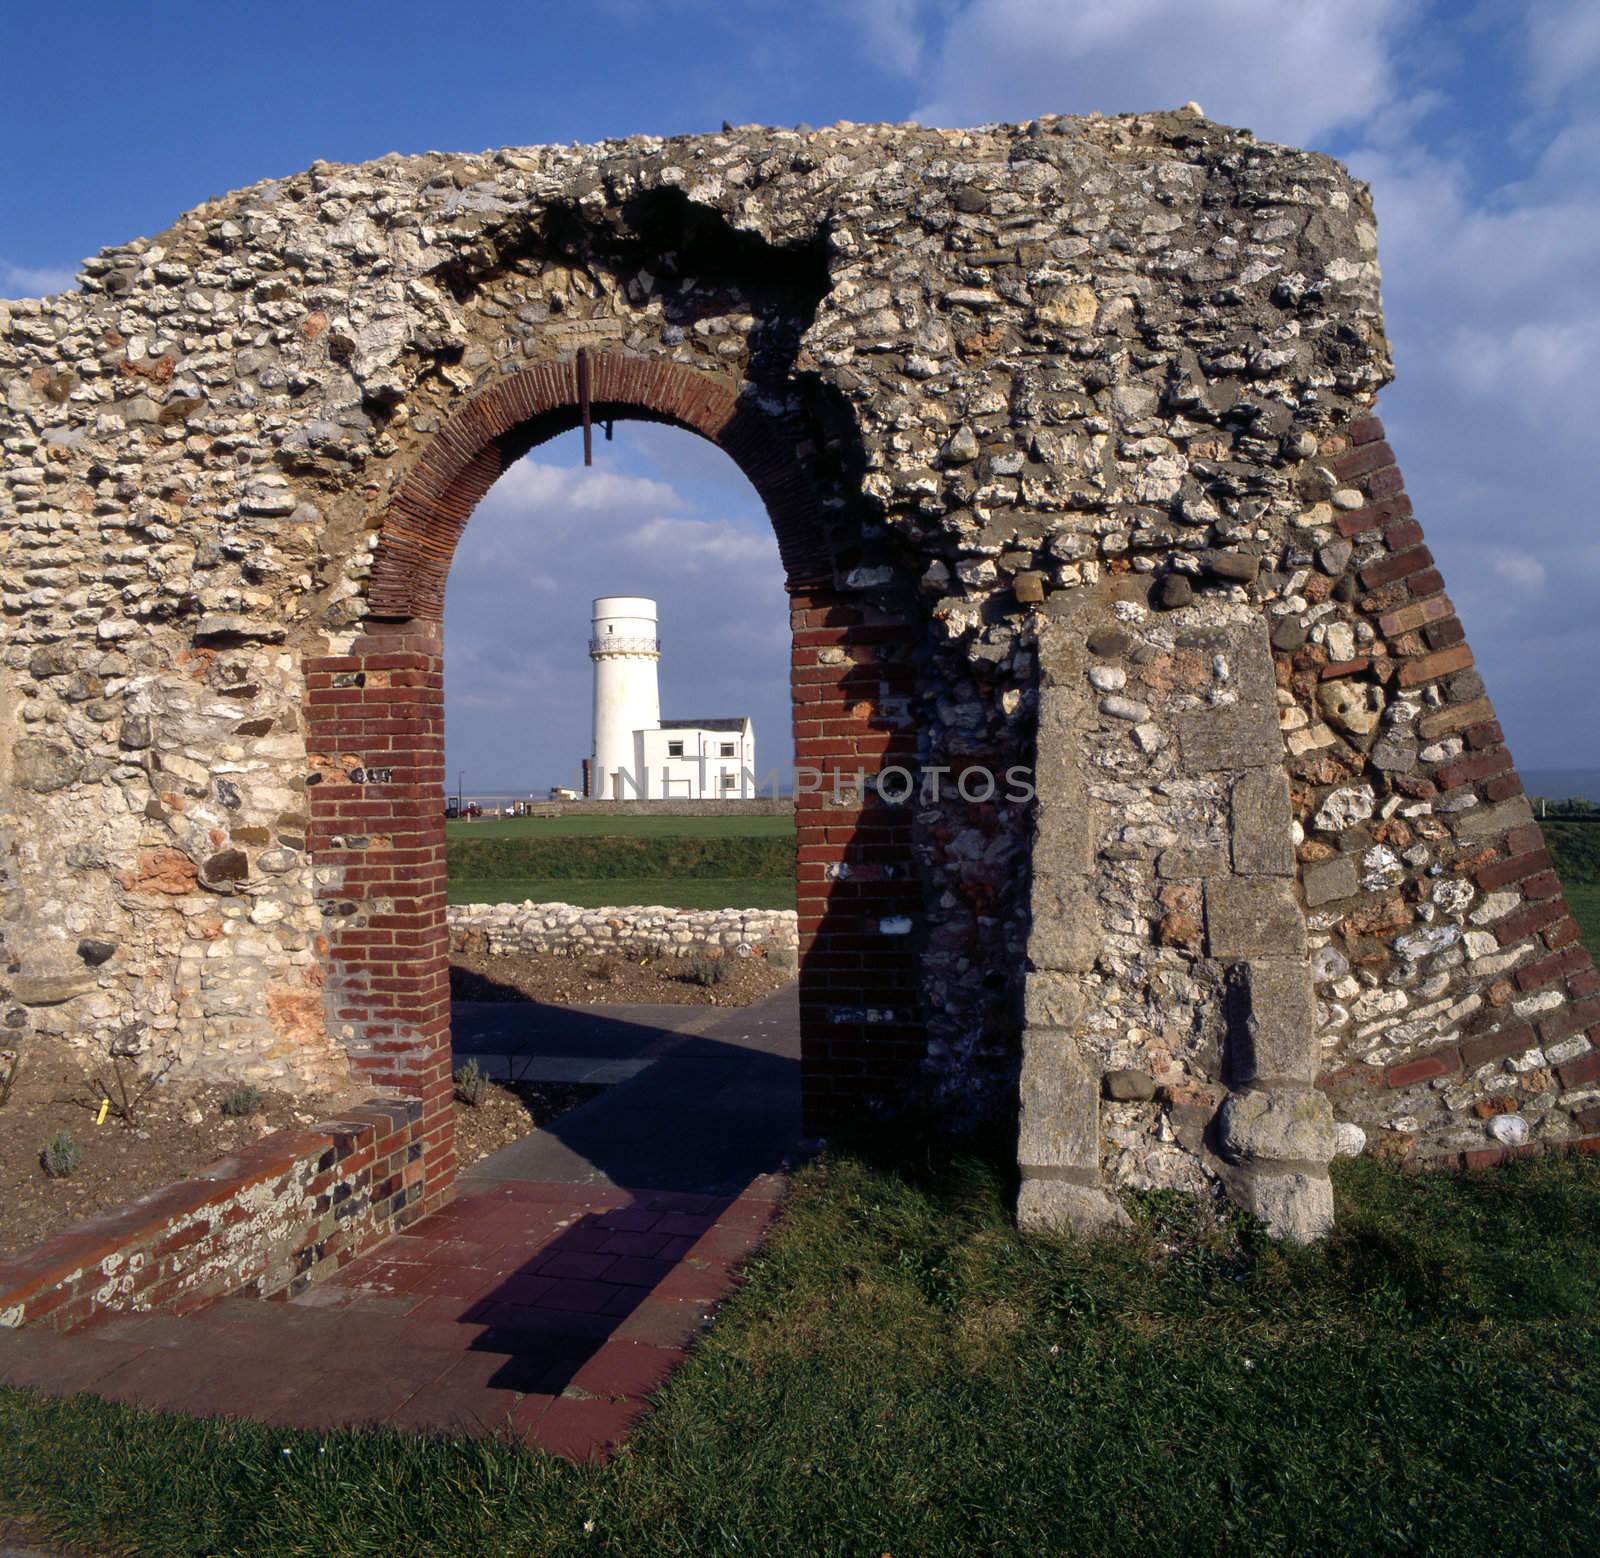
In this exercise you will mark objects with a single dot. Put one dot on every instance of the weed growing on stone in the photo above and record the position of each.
(10, 1065)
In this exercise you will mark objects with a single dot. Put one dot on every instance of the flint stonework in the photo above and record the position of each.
(1067, 434)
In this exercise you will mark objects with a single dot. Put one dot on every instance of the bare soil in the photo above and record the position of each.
(179, 1129)
(592, 981)
(508, 1111)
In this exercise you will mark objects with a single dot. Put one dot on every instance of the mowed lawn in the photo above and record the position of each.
(730, 862)
(714, 892)
(1585, 901)
(904, 1373)
(622, 827)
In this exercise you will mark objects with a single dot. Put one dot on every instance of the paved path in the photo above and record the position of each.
(555, 1292)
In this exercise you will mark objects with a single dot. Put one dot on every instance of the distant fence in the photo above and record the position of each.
(760, 806)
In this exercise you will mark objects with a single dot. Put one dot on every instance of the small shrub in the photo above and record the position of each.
(120, 1080)
(472, 1086)
(10, 1064)
(707, 971)
(242, 1101)
(61, 1155)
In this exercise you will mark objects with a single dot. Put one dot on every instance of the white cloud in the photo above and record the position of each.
(696, 545)
(530, 483)
(34, 281)
(1520, 569)
(1291, 72)
(1563, 46)
(891, 30)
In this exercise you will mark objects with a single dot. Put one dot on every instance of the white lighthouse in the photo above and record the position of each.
(638, 756)
(627, 696)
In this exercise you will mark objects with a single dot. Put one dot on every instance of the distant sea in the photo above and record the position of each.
(1559, 784)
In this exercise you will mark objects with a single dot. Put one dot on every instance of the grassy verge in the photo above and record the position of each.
(1585, 901)
(904, 1373)
(683, 893)
(664, 858)
(622, 827)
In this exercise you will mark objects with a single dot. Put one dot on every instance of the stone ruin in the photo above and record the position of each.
(1066, 431)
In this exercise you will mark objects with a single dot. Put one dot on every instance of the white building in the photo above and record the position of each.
(637, 754)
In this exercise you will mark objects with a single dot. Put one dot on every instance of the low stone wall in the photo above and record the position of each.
(635, 930)
(266, 1222)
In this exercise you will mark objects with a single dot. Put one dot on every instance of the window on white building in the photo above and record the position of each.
(729, 781)
(727, 749)
(674, 749)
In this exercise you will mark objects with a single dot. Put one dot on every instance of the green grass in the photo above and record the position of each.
(684, 862)
(1585, 901)
(903, 1373)
(681, 893)
(663, 858)
(623, 827)
(1575, 847)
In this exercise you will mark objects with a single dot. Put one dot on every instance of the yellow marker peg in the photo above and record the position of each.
(105, 1104)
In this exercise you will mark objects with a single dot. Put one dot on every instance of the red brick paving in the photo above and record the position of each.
(550, 1311)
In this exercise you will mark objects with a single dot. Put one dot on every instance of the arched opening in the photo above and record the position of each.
(375, 724)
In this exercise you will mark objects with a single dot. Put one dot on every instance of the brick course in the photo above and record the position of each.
(266, 1223)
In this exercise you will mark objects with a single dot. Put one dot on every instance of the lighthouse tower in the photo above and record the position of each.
(627, 698)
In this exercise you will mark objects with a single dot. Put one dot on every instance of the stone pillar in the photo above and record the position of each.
(1275, 1131)
(1058, 1139)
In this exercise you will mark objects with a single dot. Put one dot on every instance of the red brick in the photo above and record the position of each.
(1501, 873)
(1482, 766)
(1431, 668)
(1579, 1072)
(1405, 618)
(1361, 459)
(1545, 971)
(1388, 569)
(1564, 932)
(1526, 920)
(1491, 1046)
(1355, 522)
(1438, 1063)
(1403, 535)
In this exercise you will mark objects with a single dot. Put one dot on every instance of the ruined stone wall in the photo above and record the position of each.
(977, 376)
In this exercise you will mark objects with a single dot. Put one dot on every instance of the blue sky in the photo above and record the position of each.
(1478, 125)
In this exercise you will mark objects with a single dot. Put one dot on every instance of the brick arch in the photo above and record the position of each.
(375, 732)
(427, 516)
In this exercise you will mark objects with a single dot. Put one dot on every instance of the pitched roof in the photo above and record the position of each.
(706, 724)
